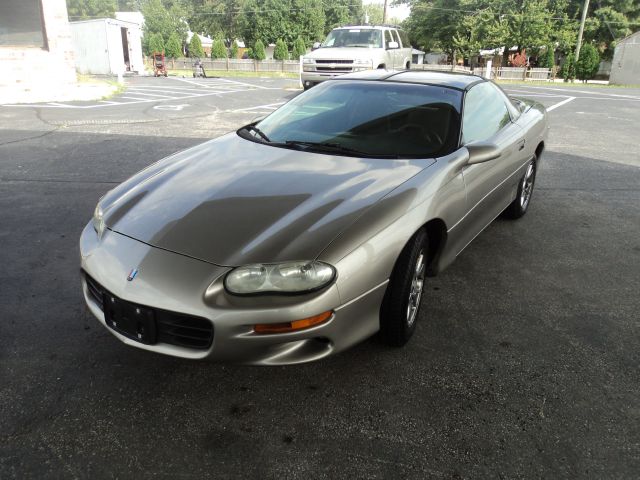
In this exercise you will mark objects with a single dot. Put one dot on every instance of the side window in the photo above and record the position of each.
(485, 113)
(513, 110)
(405, 39)
(387, 38)
(396, 38)
(21, 24)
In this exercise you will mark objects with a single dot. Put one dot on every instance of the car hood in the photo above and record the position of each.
(231, 201)
(342, 53)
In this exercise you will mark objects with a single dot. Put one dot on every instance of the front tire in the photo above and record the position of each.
(519, 206)
(401, 304)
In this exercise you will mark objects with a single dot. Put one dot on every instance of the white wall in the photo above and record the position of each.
(91, 48)
(98, 46)
(114, 42)
(625, 67)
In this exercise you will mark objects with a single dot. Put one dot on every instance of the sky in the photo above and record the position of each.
(400, 12)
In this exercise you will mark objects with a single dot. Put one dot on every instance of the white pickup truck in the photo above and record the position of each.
(355, 48)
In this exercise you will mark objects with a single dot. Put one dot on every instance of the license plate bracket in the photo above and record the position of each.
(130, 320)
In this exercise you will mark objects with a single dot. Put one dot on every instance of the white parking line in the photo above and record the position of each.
(518, 94)
(559, 104)
(137, 92)
(270, 106)
(137, 98)
(600, 93)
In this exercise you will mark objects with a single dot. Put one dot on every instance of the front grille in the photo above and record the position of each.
(183, 330)
(172, 328)
(334, 69)
(95, 291)
(349, 62)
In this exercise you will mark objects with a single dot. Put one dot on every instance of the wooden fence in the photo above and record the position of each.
(501, 73)
(234, 64)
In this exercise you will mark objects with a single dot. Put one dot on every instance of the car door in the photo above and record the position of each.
(389, 52)
(486, 118)
(398, 55)
(406, 47)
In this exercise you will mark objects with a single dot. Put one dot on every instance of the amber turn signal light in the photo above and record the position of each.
(294, 326)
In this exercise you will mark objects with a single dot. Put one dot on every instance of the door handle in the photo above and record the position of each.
(521, 145)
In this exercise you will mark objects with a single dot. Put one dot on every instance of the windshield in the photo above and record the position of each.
(354, 38)
(367, 118)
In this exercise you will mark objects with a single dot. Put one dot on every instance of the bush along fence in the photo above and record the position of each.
(500, 73)
(293, 66)
(233, 65)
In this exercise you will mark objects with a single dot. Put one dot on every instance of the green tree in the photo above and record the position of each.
(588, 63)
(128, 5)
(83, 9)
(214, 16)
(270, 20)
(607, 21)
(163, 19)
(173, 47)
(568, 71)
(299, 48)
(257, 51)
(234, 49)
(342, 12)
(156, 43)
(218, 50)
(195, 46)
(547, 59)
(281, 52)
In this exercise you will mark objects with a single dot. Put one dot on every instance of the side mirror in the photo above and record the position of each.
(315, 46)
(480, 152)
(392, 45)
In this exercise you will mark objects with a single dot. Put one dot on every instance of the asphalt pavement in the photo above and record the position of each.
(524, 363)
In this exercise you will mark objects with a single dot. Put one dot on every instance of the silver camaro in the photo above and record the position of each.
(307, 232)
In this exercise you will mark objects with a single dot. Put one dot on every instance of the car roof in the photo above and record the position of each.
(459, 81)
(365, 27)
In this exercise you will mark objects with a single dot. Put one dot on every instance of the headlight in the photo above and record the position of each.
(308, 60)
(362, 61)
(288, 277)
(98, 221)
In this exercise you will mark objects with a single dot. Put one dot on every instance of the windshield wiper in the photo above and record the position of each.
(333, 148)
(252, 128)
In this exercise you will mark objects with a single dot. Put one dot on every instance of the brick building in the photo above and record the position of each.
(36, 50)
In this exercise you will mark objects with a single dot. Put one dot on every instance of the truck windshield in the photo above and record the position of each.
(366, 119)
(354, 37)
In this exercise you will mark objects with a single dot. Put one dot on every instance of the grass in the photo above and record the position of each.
(231, 73)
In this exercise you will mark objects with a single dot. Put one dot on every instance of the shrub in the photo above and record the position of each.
(548, 60)
(218, 50)
(173, 48)
(195, 47)
(234, 50)
(588, 63)
(568, 71)
(281, 52)
(299, 48)
(156, 43)
(258, 52)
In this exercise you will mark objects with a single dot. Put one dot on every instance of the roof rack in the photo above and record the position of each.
(388, 25)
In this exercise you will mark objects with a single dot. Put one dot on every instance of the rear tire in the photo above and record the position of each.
(401, 304)
(519, 206)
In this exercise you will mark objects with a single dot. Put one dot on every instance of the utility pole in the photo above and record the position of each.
(584, 17)
(384, 12)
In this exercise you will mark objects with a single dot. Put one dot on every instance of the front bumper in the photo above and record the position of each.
(314, 77)
(176, 283)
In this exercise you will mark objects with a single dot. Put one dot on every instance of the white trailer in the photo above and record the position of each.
(107, 47)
